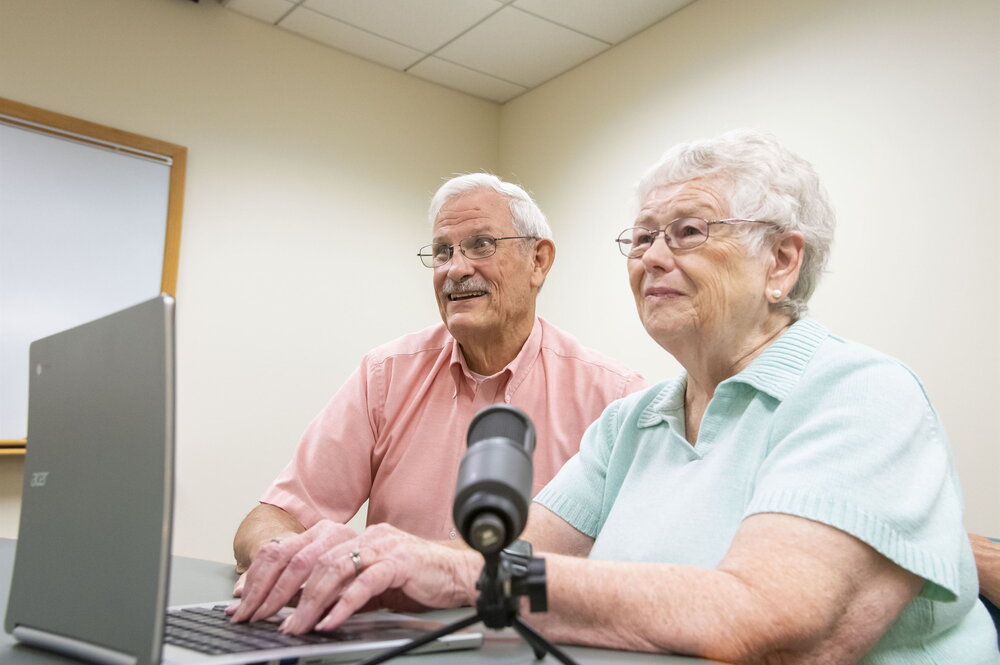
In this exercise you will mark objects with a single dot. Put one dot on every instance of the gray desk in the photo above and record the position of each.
(194, 581)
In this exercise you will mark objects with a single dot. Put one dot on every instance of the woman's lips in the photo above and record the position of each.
(663, 292)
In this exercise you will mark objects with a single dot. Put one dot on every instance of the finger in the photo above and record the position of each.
(289, 582)
(265, 570)
(333, 572)
(238, 588)
(371, 583)
(284, 566)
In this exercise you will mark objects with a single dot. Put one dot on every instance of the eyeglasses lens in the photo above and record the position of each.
(682, 233)
(687, 232)
(479, 247)
(474, 247)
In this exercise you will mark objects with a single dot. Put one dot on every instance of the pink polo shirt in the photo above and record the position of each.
(395, 433)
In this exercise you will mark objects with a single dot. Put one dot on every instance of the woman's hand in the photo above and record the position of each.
(383, 567)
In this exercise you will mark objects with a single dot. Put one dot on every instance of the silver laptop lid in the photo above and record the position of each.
(91, 566)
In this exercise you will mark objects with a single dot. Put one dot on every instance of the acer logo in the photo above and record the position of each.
(38, 478)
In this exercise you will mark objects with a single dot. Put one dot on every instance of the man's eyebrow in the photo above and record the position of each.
(436, 240)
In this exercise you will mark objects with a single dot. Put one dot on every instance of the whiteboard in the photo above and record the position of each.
(83, 228)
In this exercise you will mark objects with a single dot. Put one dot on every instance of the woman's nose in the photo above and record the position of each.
(659, 254)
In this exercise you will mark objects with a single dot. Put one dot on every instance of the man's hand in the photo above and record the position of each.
(280, 567)
(382, 567)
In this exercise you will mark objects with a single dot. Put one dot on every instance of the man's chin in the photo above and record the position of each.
(464, 324)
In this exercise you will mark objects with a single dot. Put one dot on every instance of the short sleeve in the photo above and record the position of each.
(860, 448)
(330, 473)
(577, 491)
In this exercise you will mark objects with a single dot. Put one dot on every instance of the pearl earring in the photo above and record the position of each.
(776, 293)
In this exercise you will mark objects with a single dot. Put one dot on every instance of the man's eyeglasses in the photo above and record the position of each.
(683, 233)
(473, 247)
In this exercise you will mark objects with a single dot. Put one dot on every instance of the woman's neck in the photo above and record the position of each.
(713, 358)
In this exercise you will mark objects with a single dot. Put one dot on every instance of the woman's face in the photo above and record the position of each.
(712, 289)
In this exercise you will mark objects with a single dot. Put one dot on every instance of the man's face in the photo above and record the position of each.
(481, 299)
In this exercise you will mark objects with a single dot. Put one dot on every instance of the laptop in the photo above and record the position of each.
(93, 551)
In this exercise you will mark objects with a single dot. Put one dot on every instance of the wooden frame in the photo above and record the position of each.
(40, 120)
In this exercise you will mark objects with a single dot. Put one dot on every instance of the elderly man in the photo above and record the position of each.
(394, 434)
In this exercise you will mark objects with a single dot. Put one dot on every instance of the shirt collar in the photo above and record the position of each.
(515, 371)
(775, 372)
(780, 366)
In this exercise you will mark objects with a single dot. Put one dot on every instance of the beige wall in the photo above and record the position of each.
(896, 102)
(295, 148)
(308, 180)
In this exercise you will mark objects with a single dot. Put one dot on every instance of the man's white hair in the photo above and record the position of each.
(526, 215)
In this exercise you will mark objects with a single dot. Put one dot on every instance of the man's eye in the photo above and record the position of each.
(482, 242)
(441, 250)
(642, 238)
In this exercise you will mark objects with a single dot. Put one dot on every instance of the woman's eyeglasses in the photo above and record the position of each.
(683, 233)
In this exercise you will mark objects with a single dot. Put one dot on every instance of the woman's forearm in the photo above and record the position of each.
(788, 588)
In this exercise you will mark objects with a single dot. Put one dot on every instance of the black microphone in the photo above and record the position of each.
(494, 480)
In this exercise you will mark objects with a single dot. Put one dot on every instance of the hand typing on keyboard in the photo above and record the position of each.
(382, 567)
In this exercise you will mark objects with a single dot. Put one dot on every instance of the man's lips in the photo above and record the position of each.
(465, 295)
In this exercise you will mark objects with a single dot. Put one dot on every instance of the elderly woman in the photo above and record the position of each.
(789, 498)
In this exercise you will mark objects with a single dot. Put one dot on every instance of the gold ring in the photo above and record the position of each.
(356, 560)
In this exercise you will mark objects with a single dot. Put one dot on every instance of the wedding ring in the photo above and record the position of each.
(356, 560)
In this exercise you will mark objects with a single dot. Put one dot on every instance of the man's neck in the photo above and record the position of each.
(489, 354)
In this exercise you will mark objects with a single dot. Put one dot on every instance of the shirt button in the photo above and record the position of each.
(452, 534)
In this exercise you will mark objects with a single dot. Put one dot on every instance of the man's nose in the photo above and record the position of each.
(459, 266)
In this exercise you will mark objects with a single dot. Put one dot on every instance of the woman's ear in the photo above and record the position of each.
(786, 256)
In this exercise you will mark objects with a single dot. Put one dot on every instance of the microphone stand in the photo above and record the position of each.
(504, 579)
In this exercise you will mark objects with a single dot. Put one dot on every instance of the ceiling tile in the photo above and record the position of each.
(515, 46)
(339, 35)
(464, 79)
(421, 24)
(268, 11)
(609, 21)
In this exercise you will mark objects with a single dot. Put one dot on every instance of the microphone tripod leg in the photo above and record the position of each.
(420, 641)
(540, 645)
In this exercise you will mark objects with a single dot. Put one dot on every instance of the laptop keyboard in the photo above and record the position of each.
(209, 630)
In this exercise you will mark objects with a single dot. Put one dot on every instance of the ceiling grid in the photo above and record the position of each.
(493, 49)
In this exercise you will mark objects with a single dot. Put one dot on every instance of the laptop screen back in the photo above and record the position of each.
(94, 541)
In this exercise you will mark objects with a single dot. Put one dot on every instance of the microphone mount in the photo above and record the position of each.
(490, 510)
